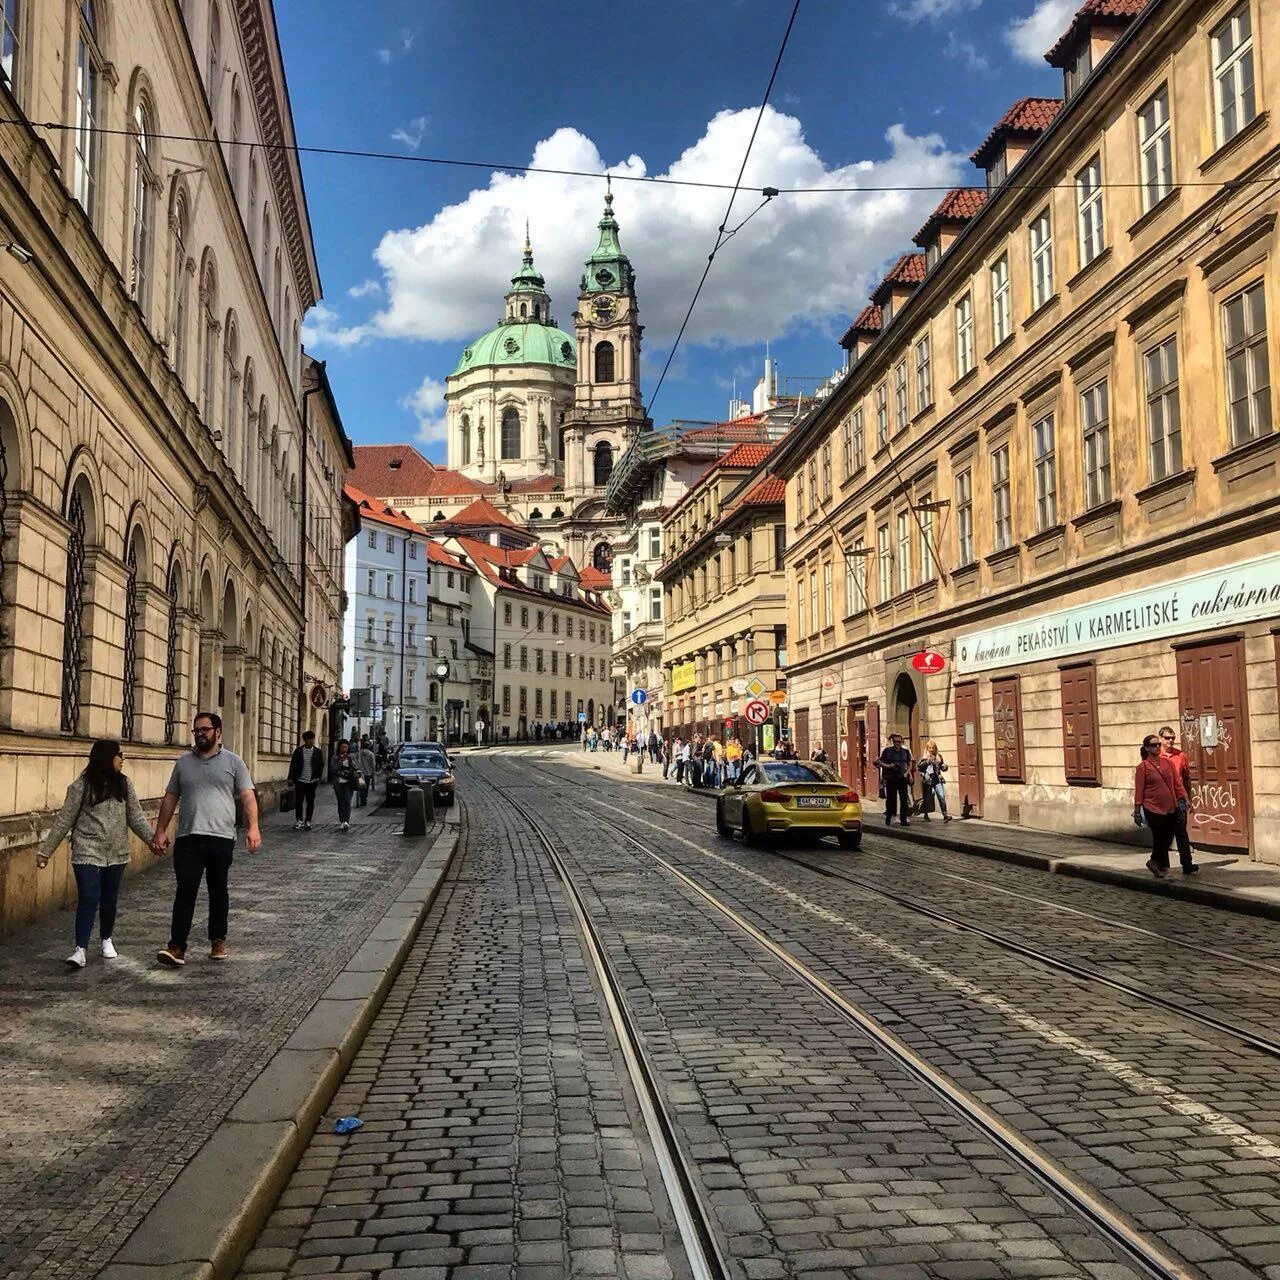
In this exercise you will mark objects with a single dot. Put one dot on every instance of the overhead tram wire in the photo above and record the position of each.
(494, 166)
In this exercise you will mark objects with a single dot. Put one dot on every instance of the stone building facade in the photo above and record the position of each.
(150, 403)
(1053, 458)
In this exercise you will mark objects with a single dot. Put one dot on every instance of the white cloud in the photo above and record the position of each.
(323, 327)
(1031, 37)
(967, 52)
(384, 56)
(918, 10)
(411, 133)
(803, 259)
(405, 38)
(365, 289)
(427, 404)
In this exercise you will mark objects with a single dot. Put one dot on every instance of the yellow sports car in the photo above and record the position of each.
(777, 797)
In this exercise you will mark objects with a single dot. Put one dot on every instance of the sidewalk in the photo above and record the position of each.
(1231, 882)
(147, 1115)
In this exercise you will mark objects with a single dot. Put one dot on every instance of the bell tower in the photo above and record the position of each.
(607, 405)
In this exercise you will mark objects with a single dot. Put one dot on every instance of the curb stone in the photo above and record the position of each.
(206, 1221)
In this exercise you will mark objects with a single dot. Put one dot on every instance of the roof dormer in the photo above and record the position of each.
(1098, 24)
(861, 334)
(904, 277)
(947, 221)
(1013, 136)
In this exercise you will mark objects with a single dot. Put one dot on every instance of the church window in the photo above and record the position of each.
(604, 361)
(603, 464)
(524, 311)
(510, 433)
(602, 559)
(466, 439)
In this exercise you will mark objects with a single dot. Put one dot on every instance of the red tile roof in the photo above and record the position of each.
(868, 322)
(376, 510)
(537, 484)
(955, 207)
(1026, 118)
(1111, 13)
(480, 514)
(438, 555)
(767, 492)
(591, 579)
(908, 271)
(400, 471)
(745, 455)
(488, 559)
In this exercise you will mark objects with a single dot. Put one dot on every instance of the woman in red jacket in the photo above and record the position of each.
(1159, 797)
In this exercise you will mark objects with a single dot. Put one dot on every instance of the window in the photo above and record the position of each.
(924, 519)
(900, 396)
(386, 626)
(802, 615)
(655, 604)
(555, 662)
(904, 550)
(215, 58)
(846, 446)
(964, 336)
(602, 464)
(84, 177)
(1001, 311)
(11, 45)
(1080, 723)
(1001, 523)
(779, 546)
(1235, 100)
(924, 372)
(541, 620)
(997, 171)
(859, 442)
(855, 580)
(391, 586)
(413, 555)
(524, 657)
(813, 485)
(1244, 320)
(524, 618)
(413, 591)
(538, 660)
(368, 629)
(1155, 147)
(555, 624)
(209, 354)
(391, 542)
(655, 542)
(178, 302)
(510, 433)
(144, 199)
(882, 559)
(506, 657)
(1078, 69)
(537, 703)
(826, 472)
(1041, 261)
(932, 254)
(813, 600)
(1046, 473)
(411, 639)
(886, 312)
(626, 573)
(882, 416)
(506, 699)
(506, 613)
(1095, 420)
(373, 540)
(828, 613)
(964, 517)
(604, 362)
(1164, 417)
(1089, 211)
(370, 583)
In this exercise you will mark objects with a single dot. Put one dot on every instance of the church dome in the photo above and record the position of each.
(516, 343)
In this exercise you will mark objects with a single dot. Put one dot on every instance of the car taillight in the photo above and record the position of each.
(847, 797)
(774, 797)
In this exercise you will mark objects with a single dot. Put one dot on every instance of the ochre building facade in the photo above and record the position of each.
(1053, 458)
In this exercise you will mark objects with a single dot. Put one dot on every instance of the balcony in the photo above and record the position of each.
(647, 635)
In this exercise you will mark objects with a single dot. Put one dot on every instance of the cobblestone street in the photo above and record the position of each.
(503, 1136)
(111, 1079)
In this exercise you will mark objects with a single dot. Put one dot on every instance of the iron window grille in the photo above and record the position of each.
(73, 616)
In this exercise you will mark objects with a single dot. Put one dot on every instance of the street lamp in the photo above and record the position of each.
(441, 672)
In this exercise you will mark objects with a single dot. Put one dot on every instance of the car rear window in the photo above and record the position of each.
(786, 772)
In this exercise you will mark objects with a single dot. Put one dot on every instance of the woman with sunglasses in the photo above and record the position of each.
(100, 809)
(1158, 799)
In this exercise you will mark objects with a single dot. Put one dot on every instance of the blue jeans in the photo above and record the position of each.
(97, 894)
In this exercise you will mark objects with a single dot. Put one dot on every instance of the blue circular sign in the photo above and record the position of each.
(639, 697)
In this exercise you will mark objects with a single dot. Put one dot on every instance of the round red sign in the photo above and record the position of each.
(929, 662)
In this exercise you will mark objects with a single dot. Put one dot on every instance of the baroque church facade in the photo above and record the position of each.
(537, 416)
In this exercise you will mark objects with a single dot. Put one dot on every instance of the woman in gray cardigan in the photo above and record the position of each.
(100, 810)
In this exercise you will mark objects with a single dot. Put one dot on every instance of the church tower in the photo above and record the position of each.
(607, 406)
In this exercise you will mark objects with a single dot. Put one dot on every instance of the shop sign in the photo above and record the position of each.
(684, 675)
(778, 697)
(1220, 597)
(929, 662)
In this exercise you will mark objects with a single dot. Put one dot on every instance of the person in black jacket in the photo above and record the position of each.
(896, 766)
(306, 769)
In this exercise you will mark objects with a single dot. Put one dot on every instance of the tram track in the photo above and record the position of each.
(1148, 1254)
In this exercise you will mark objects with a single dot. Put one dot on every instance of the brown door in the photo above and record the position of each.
(854, 747)
(1080, 723)
(870, 778)
(830, 732)
(1006, 701)
(968, 750)
(1215, 736)
(801, 742)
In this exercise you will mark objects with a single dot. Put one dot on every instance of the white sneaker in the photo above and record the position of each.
(108, 949)
(346, 826)
(76, 960)
(297, 826)
(307, 826)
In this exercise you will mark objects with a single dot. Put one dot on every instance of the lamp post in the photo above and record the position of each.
(441, 672)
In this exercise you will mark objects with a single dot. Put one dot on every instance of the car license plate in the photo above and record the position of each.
(812, 802)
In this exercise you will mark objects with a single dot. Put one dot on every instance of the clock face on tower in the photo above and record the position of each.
(603, 308)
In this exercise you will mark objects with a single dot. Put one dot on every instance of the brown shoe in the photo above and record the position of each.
(173, 957)
(217, 949)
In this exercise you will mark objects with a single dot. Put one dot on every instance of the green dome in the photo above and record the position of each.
(520, 344)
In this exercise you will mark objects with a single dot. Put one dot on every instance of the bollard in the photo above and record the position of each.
(636, 762)
(418, 811)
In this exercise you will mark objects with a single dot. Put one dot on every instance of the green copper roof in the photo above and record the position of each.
(520, 344)
(527, 279)
(608, 268)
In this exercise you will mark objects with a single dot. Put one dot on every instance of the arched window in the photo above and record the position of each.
(11, 44)
(510, 433)
(237, 128)
(132, 611)
(602, 557)
(603, 464)
(466, 439)
(251, 204)
(209, 352)
(249, 434)
(266, 244)
(144, 189)
(173, 589)
(88, 109)
(8, 472)
(73, 606)
(179, 228)
(604, 361)
(231, 393)
(215, 59)
(276, 281)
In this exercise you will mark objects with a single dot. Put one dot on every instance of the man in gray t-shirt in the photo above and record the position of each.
(204, 787)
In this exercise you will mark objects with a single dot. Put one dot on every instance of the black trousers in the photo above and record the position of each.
(896, 793)
(304, 792)
(1183, 839)
(1163, 829)
(197, 858)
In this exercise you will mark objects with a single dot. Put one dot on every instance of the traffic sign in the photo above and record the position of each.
(639, 697)
(739, 686)
(756, 687)
(582, 717)
(778, 696)
(757, 712)
(929, 661)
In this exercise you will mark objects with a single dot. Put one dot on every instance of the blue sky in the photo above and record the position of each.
(871, 92)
